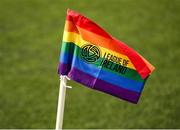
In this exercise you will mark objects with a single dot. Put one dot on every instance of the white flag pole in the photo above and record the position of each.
(61, 102)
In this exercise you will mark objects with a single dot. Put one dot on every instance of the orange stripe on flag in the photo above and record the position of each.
(93, 38)
(70, 27)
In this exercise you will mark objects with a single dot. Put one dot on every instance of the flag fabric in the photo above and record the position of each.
(92, 57)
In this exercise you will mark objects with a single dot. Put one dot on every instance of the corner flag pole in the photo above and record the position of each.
(61, 102)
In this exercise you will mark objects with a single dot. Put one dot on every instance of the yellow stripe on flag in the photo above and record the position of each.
(77, 39)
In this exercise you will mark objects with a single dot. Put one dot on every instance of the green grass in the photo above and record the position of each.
(30, 36)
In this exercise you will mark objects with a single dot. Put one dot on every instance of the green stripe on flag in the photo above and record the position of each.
(68, 47)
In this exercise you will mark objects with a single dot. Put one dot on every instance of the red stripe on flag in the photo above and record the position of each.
(93, 33)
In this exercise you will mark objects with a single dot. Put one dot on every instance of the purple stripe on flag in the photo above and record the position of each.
(100, 85)
(82, 77)
(116, 91)
(63, 69)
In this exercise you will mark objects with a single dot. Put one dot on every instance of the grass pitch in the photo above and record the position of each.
(30, 37)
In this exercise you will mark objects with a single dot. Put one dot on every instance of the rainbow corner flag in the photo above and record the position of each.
(92, 57)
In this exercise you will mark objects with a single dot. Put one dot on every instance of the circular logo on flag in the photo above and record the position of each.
(90, 53)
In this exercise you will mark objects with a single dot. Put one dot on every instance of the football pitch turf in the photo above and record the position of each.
(30, 36)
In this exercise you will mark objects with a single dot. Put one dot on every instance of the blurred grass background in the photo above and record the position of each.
(30, 37)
